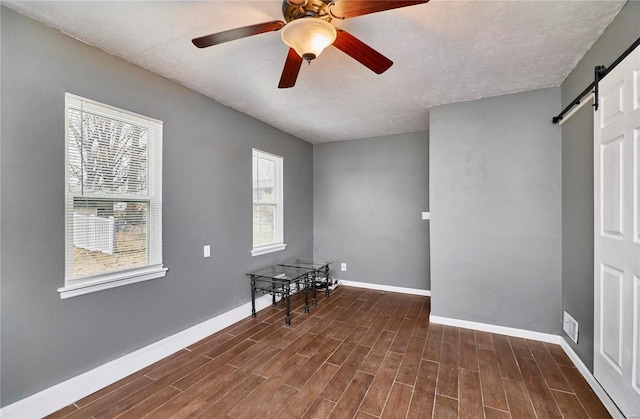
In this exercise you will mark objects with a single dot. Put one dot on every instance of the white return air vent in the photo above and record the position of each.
(570, 327)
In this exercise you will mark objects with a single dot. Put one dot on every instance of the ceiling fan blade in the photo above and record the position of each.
(362, 52)
(233, 34)
(344, 9)
(291, 70)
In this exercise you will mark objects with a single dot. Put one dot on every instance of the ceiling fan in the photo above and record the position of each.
(308, 31)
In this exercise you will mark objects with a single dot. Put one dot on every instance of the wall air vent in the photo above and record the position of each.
(570, 327)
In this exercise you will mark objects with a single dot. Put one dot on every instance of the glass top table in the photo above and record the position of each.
(280, 279)
(320, 269)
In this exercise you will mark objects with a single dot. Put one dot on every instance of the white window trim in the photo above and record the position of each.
(279, 245)
(96, 283)
(114, 280)
(270, 248)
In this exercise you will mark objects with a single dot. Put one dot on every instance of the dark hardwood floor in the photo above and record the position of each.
(358, 354)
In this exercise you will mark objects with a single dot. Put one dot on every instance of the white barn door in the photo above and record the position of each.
(617, 235)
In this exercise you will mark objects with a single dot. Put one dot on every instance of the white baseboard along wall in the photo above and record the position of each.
(402, 290)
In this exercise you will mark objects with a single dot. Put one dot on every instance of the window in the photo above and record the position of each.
(113, 206)
(268, 233)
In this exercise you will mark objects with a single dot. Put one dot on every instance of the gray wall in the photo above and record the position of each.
(368, 199)
(207, 200)
(577, 178)
(495, 208)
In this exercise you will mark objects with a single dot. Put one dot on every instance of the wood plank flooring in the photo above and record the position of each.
(358, 354)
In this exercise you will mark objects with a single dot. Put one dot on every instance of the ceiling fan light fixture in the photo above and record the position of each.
(308, 36)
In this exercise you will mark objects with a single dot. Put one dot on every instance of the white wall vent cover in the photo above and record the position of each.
(570, 327)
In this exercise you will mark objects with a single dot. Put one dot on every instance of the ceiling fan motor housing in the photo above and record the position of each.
(296, 9)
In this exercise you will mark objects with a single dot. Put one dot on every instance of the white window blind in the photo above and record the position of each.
(113, 197)
(268, 234)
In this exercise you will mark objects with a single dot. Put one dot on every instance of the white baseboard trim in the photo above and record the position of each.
(501, 330)
(544, 337)
(67, 392)
(595, 385)
(390, 288)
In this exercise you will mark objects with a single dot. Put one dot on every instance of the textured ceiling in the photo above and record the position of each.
(443, 52)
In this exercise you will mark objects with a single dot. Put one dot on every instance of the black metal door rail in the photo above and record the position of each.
(599, 72)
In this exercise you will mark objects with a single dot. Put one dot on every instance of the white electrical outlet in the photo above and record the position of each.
(207, 251)
(343, 267)
(570, 327)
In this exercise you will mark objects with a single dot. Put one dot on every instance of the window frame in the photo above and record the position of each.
(154, 268)
(278, 187)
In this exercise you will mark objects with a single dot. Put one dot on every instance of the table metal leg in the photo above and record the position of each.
(273, 294)
(326, 276)
(306, 293)
(287, 290)
(313, 287)
(253, 297)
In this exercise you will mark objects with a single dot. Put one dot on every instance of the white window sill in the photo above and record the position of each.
(263, 250)
(111, 281)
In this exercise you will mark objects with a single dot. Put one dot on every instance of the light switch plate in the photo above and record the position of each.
(207, 251)
(426, 215)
